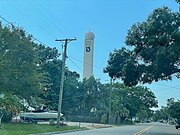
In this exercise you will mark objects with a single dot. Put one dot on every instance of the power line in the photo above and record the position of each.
(54, 17)
(97, 67)
(28, 18)
(6, 21)
(76, 65)
(84, 95)
(42, 13)
(167, 86)
(18, 28)
(70, 58)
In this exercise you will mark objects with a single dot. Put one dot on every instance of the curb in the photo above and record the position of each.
(74, 130)
(59, 132)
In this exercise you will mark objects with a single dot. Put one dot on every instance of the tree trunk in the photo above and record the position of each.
(1, 116)
(0, 121)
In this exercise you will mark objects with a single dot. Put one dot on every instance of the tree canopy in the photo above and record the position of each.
(18, 63)
(178, 1)
(174, 109)
(171, 110)
(154, 53)
(9, 103)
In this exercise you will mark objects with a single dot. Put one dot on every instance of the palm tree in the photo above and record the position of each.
(8, 103)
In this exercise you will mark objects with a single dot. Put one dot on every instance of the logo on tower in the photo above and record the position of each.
(88, 49)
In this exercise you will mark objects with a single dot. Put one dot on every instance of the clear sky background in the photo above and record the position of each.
(110, 20)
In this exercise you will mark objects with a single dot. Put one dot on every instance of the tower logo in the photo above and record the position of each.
(88, 49)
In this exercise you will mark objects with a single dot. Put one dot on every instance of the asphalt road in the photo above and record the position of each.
(138, 129)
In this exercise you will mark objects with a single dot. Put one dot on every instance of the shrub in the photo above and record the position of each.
(127, 121)
(7, 117)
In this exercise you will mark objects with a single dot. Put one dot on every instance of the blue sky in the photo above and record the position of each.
(110, 20)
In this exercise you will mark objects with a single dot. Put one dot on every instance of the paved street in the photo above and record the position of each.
(139, 129)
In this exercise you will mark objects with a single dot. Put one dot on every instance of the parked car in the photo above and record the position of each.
(177, 123)
(39, 115)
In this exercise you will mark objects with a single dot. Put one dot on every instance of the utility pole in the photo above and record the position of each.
(62, 77)
(110, 101)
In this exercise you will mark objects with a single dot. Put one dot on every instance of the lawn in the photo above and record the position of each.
(25, 129)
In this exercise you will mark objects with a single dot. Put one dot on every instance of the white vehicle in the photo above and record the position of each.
(41, 115)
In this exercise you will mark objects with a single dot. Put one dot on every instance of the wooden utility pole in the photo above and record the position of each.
(62, 77)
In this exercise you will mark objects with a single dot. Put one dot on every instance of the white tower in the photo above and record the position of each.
(88, 55)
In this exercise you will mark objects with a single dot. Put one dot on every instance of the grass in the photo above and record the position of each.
(25, 129)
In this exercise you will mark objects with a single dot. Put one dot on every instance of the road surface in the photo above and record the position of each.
(138, 129)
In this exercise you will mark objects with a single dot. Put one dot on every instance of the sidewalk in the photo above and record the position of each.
(82, 124)
(88, 125)
(79, 124)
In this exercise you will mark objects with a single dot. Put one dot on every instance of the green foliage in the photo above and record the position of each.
(104, 119)
(156, 50)
(50, 68)
(127, 102)
(18, 63)
(122, 64)
(91, 98)
(7, 117)
(174, 110)
(128, 121)
(24, 129)
(144, 114)
(178, 1)
(78, 96)
(8, 104)
(91, 93)
(72, 94)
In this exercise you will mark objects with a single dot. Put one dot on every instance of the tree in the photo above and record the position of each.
(138, 98)
(118, 108)
(161, 114)
(72, 96)
(178, 1)
(50, 67)
(9, 103)
(174, 109)
(91, 92)
(144, 114)
(18, 63)
(155, 50)
(171, 110)
(129, 102)
(102, 102)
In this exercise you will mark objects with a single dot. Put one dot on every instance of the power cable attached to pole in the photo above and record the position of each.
(62, 77)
